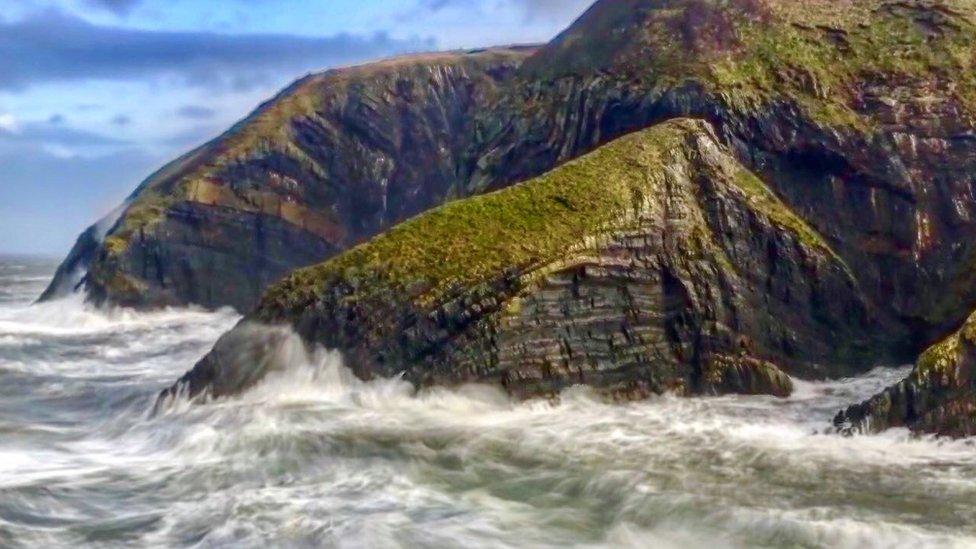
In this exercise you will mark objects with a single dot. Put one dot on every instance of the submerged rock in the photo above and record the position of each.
(656, 263)
(939, 397)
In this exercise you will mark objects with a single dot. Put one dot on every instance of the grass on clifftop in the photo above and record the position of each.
(470, 241)
(814, 53)
(530, 225)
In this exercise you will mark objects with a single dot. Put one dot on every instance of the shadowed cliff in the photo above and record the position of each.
(655, 263)
(857, 116)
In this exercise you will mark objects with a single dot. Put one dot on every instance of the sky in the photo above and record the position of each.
(97, 94)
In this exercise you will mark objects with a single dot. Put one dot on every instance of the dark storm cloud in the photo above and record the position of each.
(196, 112)
(53, 46)
(119, 7)
(533, 8)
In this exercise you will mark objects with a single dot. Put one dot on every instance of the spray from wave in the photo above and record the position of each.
(314, 456)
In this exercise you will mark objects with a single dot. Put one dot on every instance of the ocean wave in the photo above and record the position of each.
(313, 455)
(481, 467)
(72, 315)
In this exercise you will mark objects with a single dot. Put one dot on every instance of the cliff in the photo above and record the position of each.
(656, 263)
(858, 117)
(858, 114)
(939, 397)
(334, 159)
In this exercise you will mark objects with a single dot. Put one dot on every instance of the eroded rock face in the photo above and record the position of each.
(332, 160)
(875, 150)
(859, 116)
(656, 263)
(939, 397)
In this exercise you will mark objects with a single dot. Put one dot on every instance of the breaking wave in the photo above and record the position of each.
(314, 456)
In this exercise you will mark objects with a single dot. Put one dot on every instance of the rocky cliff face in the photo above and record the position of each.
(332, 160)
(939, 397)
(656, 263)
(858, 116)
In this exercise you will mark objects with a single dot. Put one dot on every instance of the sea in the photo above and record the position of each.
(313, 457)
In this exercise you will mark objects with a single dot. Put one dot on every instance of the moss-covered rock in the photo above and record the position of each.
(854, 125)
(655, 263)
(855, 113)
(939, 396)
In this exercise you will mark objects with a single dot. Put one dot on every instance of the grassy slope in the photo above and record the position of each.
(469, 242)
(813, 53)
(271, 128)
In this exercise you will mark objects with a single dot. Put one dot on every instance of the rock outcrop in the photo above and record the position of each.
(859, 118)
(939, 397)
(332, 160)
(859, 115)
(655, 263)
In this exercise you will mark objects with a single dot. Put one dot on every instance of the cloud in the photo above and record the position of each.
(533, 9)
(8, 124)
(121, 120)
(196, 112)
(119, 7)
(51, 133)
(53, 46)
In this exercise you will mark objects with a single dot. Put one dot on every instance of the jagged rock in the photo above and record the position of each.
(939, 397)
(858, 115)
(656, 263)
(332, 160)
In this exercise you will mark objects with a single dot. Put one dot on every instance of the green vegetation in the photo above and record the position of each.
(816, 54)
(940, 362)
(467, 242)
(534, 225)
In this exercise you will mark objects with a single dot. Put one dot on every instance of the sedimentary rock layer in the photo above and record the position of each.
(656, 263)
(858, 115)
(939, 397)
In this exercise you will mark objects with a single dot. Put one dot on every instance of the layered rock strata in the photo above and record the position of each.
(939, 397)
(656, 263)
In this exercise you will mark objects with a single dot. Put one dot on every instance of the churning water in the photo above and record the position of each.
(314, 457)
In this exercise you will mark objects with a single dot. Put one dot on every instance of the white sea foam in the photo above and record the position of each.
(314, 456)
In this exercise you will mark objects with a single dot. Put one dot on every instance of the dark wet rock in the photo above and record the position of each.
(939, 397)
(859, 116)
(656, 263)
